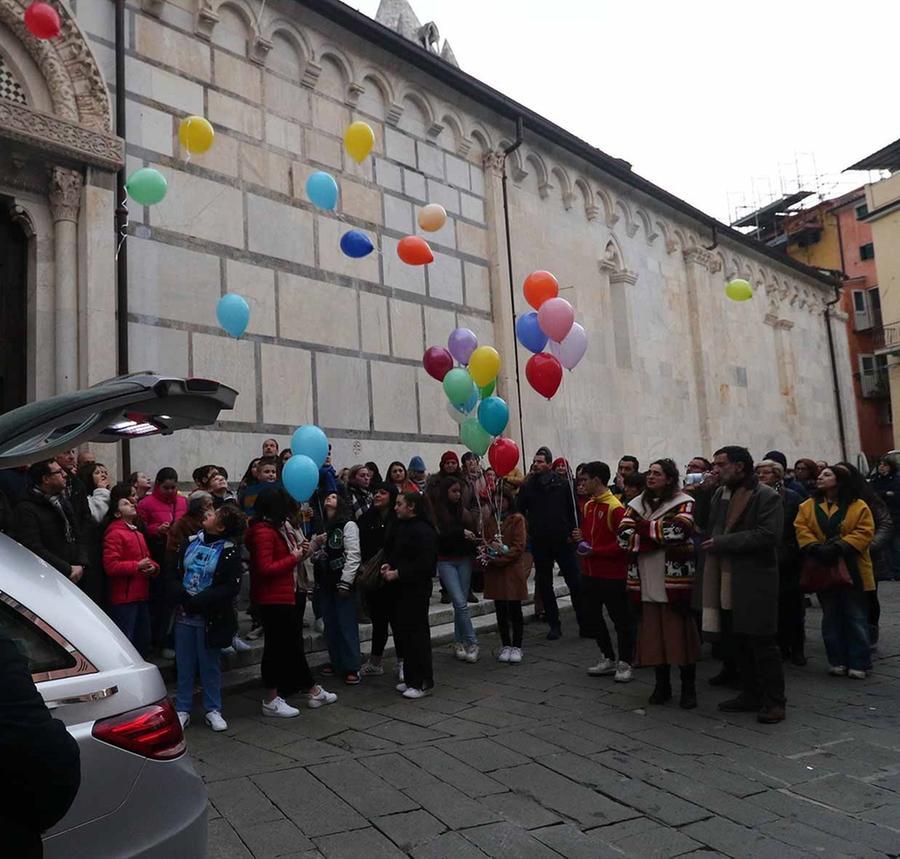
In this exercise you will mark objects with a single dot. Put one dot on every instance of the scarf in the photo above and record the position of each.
(62, 506)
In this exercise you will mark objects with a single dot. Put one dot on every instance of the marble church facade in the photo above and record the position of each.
(673, 368)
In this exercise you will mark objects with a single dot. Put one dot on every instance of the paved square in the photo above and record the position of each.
(540, 760)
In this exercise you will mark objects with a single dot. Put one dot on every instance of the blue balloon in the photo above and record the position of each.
(310, 441)
(300, 477)
(472, 401)
(233, 314)
(493, 415)
(356, 244)
(322, 190)
(529, 332)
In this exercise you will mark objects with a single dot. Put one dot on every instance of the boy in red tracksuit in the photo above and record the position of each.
(604, 568)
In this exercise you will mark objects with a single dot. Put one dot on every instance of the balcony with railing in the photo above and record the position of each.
(874, 383)
(886, 341)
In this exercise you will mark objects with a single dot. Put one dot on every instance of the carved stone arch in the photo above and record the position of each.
(564, 184)
(612, 259)
(514, 163)
(218, 30)
(734, 269)
(669, 242)
(68, 65)
(681, 239)
(723, 266)
(481, 141)
(377, 94)
(453, 137)
(343, 85)
(540, 173)
(630, 223)
(423, 106)
(649, 233)
(609, 208)
(292, 55)
(591, 209)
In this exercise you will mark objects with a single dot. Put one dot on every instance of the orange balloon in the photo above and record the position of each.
(414, 250)
(539, 286)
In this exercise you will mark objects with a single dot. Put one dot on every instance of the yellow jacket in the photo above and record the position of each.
(857, 529)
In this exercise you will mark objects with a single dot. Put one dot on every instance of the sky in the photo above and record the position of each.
(722, 103)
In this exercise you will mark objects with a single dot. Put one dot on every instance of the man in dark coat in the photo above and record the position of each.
(547, 504)
(45, 522)
(740, 588)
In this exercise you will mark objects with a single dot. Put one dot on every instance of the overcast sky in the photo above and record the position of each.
(710, 100)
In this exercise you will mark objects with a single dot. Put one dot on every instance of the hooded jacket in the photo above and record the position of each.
(271, 566)
(124, 547)
(155, 509)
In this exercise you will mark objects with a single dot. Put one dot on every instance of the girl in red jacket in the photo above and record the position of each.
(128, 566)
(275, 551)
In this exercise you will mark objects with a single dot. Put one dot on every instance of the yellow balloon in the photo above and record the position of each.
(432, 217)
(484, 365)
(359, 140)
(739, 290)
(195, 134)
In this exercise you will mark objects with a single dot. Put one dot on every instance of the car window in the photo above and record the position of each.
(47, 657)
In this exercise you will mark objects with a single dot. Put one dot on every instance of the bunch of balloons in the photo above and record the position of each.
(300, 475)
(552, 321)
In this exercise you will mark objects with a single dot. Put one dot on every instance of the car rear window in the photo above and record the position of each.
(44, 655)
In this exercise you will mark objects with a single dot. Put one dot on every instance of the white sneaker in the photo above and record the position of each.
(255, 633)
(401, 687)
(471, 653)
(279, 709)
(415, 693)
(370, 669)
(215, 721)
(239, 645)
(624, 674)
(168, 653)
(323, 696)
(459, 651)
(184, 718)
(504, 654)
(856, 674)
(319, 625)
(838, 670)
(515, 655)
(398, 670)
(603, 667)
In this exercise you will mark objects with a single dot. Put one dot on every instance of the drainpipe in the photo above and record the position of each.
(512, 294)
(121, 225)
(834, 372)
(715, 239)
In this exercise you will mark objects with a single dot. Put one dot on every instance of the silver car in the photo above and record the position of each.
(139, 794)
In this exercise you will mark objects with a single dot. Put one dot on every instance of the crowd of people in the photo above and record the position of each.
(728, 552)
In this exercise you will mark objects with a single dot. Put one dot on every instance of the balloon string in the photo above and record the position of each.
(123, 232)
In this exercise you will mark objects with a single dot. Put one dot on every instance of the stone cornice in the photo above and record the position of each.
(700, 256)
(60, 137)
(626, 277)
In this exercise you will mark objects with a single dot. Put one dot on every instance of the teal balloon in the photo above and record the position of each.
(322, 190)
(146, 186)
(233, 314)
(488, 389)
(474, 437)
(310, 441)
(300, 477)
(469, 405)
(459, 387)
(493, 415)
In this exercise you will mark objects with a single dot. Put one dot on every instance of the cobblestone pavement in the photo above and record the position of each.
(540, 760)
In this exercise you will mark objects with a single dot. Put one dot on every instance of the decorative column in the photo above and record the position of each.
(65, 201)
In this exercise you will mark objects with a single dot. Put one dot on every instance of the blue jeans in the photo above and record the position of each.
(456, 577)
(133, 618)
(191, 655)
(845, 627)
(341, 630)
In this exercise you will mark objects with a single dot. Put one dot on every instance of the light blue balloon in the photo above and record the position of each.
(493, 415)
(300, 477)
(233, 314)
(470, 404)
(322, 190)
(310, 441)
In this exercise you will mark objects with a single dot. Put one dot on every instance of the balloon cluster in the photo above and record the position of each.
(469, 387)
(300, 475)
(552, 321)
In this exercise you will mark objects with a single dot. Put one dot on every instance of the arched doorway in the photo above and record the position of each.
(13, 322)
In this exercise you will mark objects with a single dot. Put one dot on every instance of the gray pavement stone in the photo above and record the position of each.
(398, 771)
(240, 801)
(496, 718)
(738, 841)
(711, 774)
(405, 734)
(483, 755)
(309, 751)
(503, 839)
(452, 807)
(357, 741)
(358, 786)
(848, 794)
(886, 815)
(799, 834)
(231, 758)
(455, 727)
(361, 844)
(414, 715)
(521, 810)
(526, 744)
(454, 772)
(658, 842)
(558, 793)
(410, 828)
(274, 838)
(450, 845)
(223, 842)
(571, 842)
(558, 736)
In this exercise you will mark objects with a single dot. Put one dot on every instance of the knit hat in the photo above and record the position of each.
(416, 464)
(777, 456)
(545, 452)
(560, 461)
(450, 456)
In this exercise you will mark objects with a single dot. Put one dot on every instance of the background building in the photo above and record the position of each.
(673, 368)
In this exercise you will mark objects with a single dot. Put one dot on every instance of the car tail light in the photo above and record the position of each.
(152, 731)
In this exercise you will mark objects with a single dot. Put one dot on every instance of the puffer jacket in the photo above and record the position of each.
(124, 547)
(155, 509)
(271, 566)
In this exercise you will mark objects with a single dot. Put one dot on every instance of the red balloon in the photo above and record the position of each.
(414, 250)
(437, 362)
(42, 21)
(503, 455)
(544, 374)
(539, 286)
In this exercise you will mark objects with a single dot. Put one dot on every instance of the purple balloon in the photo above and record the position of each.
(462, 343)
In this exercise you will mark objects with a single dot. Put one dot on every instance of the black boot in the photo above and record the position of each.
(662, 692)
(688, 687)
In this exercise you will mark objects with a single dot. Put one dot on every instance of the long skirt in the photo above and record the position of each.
(666, 636)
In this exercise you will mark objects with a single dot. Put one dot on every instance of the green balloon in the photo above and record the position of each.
(146, 186)
(474, 436)
(739, 290)
(488, 389)
(458, 386)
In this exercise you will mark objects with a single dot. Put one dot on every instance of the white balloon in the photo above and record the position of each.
(455, 413)
(572, 347)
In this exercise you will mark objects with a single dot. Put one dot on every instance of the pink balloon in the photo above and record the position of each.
(572, 348)
(556, 318)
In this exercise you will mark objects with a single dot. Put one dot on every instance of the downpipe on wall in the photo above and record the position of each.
(834, 372)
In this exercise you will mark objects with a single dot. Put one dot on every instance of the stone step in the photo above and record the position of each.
(241, 670)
